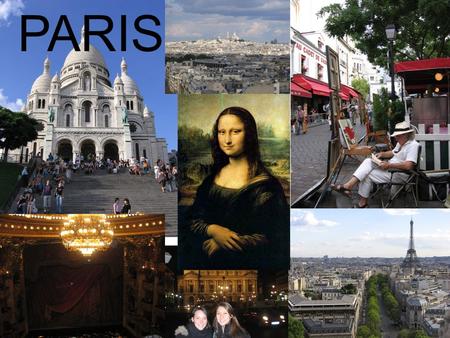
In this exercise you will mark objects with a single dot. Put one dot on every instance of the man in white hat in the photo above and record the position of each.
(402, 157)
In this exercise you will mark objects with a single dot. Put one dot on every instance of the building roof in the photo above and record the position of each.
(130, 87)
(92, 56)
(302, 301)
(315, 326)
(42, 83)
(416, 301)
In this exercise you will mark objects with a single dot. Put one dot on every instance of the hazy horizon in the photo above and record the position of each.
(382, 233)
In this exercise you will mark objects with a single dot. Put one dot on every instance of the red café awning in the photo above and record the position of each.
(344, 96)
(349, 91)
(420, 65)
(419, 74)
(315, 86)
(296, 90)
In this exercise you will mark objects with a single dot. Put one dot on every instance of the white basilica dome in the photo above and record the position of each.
(92, 56)
(42, 83)
(130, 87)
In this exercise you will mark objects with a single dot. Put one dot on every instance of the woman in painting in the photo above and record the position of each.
(240, 217)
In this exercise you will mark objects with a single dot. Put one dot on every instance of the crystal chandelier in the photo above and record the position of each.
(87, 233)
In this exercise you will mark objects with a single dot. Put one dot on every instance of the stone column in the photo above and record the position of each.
(48, 143)
(128, 150)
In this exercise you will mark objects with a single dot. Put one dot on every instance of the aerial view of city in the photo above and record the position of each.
(248, 59)
(381, 273)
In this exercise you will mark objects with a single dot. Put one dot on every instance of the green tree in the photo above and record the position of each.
(362, 86)
(422, 28)
(16, 130)
(349, 289)
(363, 332)
(373, 320)
(421, 334)
(404, 333)
(295, 328)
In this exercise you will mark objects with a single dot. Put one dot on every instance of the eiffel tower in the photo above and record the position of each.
(411, 261)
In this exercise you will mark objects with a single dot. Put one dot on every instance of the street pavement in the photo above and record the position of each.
(308, 158)
(387, 325)
(96, 193)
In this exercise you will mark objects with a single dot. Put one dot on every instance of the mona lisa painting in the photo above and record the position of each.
(234, 181)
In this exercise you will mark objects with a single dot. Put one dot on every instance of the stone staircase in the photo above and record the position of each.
(96, 193)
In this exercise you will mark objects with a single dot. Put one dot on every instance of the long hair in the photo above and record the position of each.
(235, 328)
(251, 143)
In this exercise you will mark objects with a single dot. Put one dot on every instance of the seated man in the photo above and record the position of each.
(402, 157)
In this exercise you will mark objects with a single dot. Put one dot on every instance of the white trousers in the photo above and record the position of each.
(369, 173)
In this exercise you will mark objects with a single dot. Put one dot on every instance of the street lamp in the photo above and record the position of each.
(439, 77)
(391, 32)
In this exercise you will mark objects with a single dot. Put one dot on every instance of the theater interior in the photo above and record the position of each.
(88, 275)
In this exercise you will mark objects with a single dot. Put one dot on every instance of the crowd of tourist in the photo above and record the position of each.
(47, 179)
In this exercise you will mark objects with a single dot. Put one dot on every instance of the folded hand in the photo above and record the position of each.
(225, 238)
(210, 246)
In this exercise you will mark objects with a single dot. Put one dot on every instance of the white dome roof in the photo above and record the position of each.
(55, 78)
(92, 56)
(130, 87)
(147, 112)
(118, 80)
(42, 83)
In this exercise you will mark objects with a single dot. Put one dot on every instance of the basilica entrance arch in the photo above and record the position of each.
(88, 149)
(111, 150)
(65, 150)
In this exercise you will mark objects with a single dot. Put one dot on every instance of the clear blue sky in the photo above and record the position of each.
(369, 232)
(20, 69)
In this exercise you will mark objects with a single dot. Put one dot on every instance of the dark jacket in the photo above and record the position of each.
(226, 333)
(207, 332)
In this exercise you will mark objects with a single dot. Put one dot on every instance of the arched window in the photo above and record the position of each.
(87, 111)
(106, 121)
(131, 103)
(39, 103)
(43, 103)
(87, 81)
(128, 105)
(68, 113)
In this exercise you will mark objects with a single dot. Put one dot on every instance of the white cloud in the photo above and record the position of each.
(255, 20)
(437, 235)
(9, 8)
(369, 236)
(401, 212)
(11, 105)
(307, 219)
